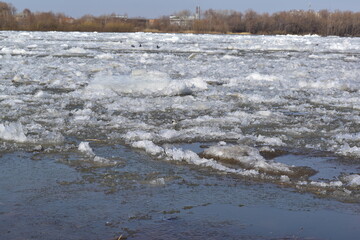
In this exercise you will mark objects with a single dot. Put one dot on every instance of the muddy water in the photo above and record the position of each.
(67, 196)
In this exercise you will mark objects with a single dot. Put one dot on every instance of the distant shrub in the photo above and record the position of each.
(118, 27)
(88, 26)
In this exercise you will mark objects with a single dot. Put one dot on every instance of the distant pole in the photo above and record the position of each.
(198, 13)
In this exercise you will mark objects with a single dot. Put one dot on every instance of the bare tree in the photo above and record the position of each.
(7, 16)
(324, 22)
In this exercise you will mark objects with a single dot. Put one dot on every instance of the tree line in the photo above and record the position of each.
(300, 22)
(49, 21)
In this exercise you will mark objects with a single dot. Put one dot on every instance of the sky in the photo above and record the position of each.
(158, 8)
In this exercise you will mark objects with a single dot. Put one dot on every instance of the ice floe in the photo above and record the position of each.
(259, 95)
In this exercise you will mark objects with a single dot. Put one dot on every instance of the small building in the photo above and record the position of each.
(181, 21)
(66, 20)
(185, 20)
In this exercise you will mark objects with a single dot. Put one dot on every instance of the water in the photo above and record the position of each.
(206, 136)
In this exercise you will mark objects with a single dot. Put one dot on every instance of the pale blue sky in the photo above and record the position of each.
(157, 8)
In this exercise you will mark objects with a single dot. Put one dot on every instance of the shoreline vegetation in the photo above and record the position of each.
(297, 22)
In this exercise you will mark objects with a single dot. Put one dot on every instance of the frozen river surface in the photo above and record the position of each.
(277, 110)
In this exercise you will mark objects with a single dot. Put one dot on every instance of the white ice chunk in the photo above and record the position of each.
(169, 134)
(247, 156)
(284, 178)
(41, 94)
(261, 77)
(327, 185)
(336, 184)
(186, 86)
(159, 181)
(144, 82)
(265, 113)
(349, 151)
(76, 50)
(12, 132)
(105, 56)
(138, 136)
(353, 180)
(13, 51)
(83, 115)
(19, 51)
(140, 81)
(274, 141)
(32, 46)
(149, 147)
(178, 154)
(84, 147)
(302, 183)
(102, 160)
